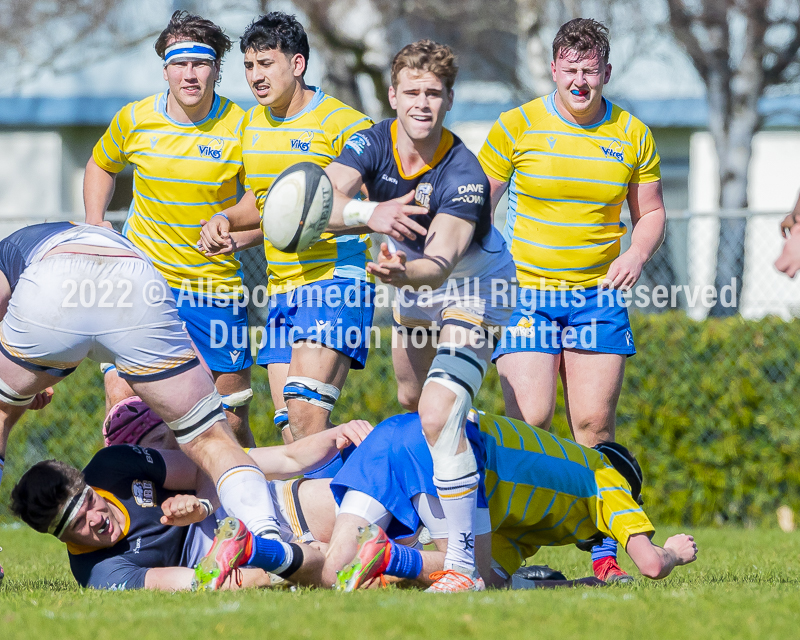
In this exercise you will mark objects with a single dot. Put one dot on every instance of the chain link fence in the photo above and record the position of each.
(679, 346)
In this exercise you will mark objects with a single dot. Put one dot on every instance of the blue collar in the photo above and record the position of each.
(161, 107)
(550, 105)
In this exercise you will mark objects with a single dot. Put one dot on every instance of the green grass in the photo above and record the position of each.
(746, 584)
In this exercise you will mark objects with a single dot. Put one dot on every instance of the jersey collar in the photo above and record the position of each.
(315, 100)
(550, 105)
(77, 549)
(161, 107)
(445, 145)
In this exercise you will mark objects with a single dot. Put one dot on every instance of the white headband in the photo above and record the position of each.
(67, 513)
(186, 50)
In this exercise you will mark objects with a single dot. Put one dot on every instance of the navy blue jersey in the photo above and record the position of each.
(16, 249)
(133, 479)
(454, 183)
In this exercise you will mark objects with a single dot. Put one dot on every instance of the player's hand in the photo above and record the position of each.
(41, 399)
(102, 223)
(683, 548)
(182, 510)
(352, 432)
(624, 272)
(392, 218)
(789, 260)
(215, 236)
(391, 267)
(787, 223)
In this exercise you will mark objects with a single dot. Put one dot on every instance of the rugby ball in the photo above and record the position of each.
(297, 208)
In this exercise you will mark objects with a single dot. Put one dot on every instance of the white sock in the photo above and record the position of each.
(244, 494)
(459, 500)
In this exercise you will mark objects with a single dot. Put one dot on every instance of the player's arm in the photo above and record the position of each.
(350, 216)
(498, 188)
(215, 236)
(448, 239)
(287, 461)
(658, 562)
(182, 474)
(791, 219)
(169, 579)
(649, 218)
(98, 189)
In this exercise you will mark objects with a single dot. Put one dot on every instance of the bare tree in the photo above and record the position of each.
(740, 48)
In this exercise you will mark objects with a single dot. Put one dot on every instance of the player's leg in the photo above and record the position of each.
(315, 378)
(413, 351)
(236, 392)
(454, 379)
(330, 334)
(592, 375)
(529, 382)
(220, 335)
(592, 386)
(115, 387)
(278, 372)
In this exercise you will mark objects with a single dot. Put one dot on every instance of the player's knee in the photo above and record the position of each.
(199, 419)
(11, 397)
(309, 402)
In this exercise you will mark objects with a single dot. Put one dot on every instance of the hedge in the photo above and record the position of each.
(708, 407)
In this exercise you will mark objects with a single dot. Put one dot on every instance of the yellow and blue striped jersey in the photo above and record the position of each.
(548, 491)
(183, 173)
(269, 146)
(567, 184)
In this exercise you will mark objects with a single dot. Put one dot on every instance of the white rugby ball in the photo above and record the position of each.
(297, 208)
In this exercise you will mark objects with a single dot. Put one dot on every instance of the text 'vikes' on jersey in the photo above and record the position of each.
(270, 145)
(183, 173)
(453, 184)
(567, 184)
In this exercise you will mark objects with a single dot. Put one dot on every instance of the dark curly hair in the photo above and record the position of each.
(276, 30)
(186, 26)
(43, 490)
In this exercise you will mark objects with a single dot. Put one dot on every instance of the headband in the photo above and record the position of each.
(67, 513)
(186, 50)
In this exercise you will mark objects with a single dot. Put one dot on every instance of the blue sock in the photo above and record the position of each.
(270, 555)
(404, 562)
(608, 548)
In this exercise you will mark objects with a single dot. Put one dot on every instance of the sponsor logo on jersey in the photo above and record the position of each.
(525, 328)
(143, 452)
(138, 546)
(423, 194)
(470, 193)
(551, 140)
(357, 143)
(211, 150)
(255, 138)
(234, 356)
(613, 150)
(153, 140)
(303, 143)
(389, 179)
(144, 493)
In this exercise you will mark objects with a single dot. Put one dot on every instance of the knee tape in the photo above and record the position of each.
(238, 399)
(458, 364)
(281, 418)
(200, 418)
(447, 464)
(311, 391)
(9, 396)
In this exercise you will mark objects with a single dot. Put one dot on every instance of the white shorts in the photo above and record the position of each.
(285, 497)
(468, 302)
(72, 306)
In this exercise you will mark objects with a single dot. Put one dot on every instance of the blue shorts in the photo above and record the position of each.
(218, 329)
(550, 321)
(393, 464)
(335, 313)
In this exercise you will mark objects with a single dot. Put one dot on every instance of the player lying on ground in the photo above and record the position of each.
(69, 292)
(412, 164)
(542, 491)
(121, 517)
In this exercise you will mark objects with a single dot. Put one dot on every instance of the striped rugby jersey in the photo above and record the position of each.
(183, 173)
(567, 184)
(269, 146)
(548, 491)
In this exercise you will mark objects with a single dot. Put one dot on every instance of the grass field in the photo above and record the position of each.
(746, 584)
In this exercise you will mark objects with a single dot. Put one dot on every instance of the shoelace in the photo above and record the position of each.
(448, 578)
